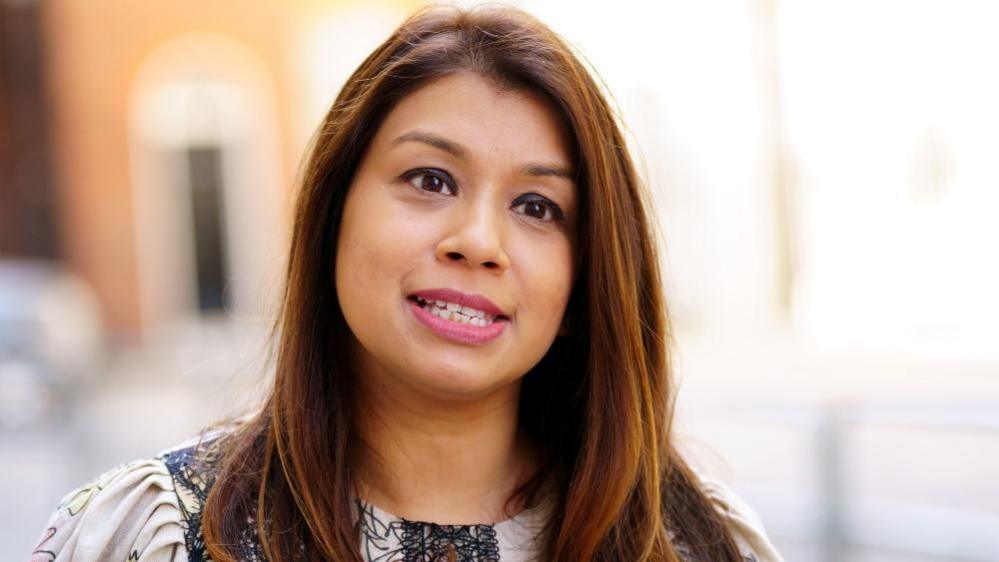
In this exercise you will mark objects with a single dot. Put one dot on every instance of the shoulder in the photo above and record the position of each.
(144, 510)
(742, 520)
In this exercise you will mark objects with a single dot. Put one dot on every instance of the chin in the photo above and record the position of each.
(463, 384)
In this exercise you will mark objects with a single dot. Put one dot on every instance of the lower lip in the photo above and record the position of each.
(456, 331)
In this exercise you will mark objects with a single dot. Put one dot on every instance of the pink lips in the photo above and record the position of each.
(456, 331)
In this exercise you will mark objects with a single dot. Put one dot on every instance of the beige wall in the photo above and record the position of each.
(95, 49)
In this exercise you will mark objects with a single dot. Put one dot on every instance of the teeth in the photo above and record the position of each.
(456, 313)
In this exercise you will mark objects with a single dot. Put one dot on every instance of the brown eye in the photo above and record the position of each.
(535, 209)
(427, 182)
(538, 208)
(430, 180)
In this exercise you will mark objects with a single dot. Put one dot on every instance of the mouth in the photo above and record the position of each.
(459, 317)
(459, 313)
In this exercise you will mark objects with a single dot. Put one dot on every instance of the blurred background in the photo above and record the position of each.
(826, 176)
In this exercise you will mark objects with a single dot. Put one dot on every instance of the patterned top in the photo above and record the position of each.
(150, 511)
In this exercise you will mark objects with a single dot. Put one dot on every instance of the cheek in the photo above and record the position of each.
(546, 281)
(359, 252)
(358, 267)
(376, 249)
(367, 257)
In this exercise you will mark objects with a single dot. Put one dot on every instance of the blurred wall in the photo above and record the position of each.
(126, 80)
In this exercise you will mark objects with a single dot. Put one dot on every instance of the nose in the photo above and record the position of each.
(475, 236)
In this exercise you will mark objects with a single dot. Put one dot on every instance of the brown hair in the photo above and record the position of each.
(599, 404)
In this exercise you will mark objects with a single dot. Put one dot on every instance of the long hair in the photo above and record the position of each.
(598, 404)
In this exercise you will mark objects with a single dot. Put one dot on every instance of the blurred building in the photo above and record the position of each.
(156, 149)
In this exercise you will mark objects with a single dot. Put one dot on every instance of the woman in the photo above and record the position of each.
(472, 358)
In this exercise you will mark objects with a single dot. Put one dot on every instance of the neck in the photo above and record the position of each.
(450, 462)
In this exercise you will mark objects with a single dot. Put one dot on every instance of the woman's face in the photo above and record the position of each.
(465, 201)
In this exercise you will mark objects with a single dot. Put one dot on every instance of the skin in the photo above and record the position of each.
(440, 418)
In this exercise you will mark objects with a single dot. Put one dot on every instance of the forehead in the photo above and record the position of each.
(487, 119)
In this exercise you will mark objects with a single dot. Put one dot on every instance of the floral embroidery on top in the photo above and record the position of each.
(401, 540)
(384, 538)
(191, 482)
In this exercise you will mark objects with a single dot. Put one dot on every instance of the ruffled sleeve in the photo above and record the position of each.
(746, 525)
(130, 513)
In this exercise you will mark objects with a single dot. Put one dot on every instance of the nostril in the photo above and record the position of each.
(455, 255)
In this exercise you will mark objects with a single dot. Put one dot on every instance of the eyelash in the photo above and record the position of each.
(556, 211)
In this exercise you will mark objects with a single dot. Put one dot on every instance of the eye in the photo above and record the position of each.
(432, 180)
(539, 208)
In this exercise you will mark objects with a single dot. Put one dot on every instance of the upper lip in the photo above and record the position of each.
(477, 302)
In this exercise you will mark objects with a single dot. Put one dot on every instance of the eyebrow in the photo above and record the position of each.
(542, 170)
(433, 140)
(534, 169)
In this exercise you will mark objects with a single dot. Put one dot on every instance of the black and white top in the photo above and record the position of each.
(150, 511)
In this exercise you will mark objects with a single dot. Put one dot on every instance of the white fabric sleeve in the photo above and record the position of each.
(128, 514)
(745, 524)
